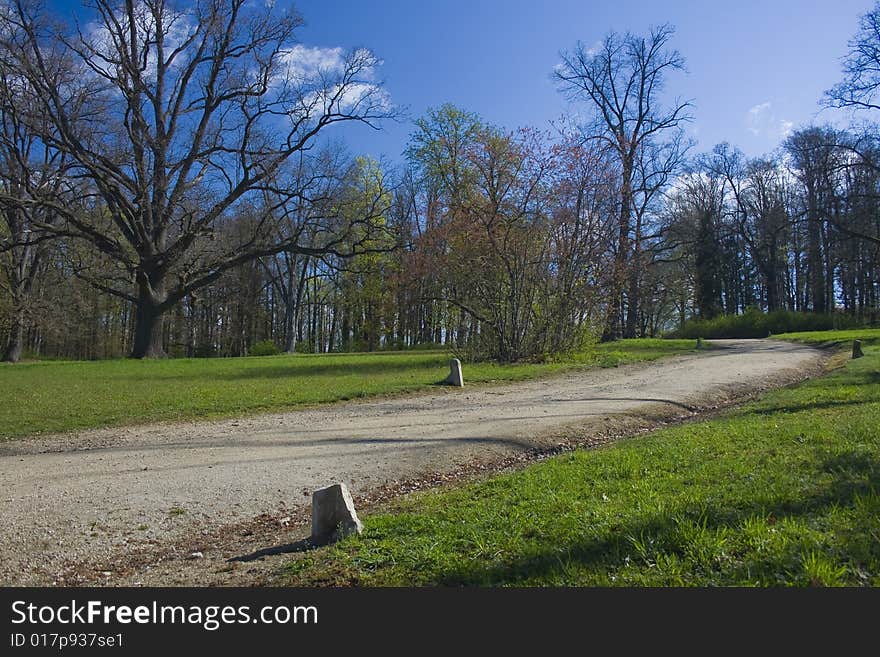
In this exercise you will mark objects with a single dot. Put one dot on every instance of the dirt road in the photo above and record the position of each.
(74, 506)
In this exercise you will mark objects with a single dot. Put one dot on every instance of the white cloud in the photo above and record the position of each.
(299, 63)
(360, 92)
(754, 117)
(762, 121)
(306, 62)
(178, 26)
(335, 79)
(594, 50)
(356, 97)
(313, 75)
(561, 68)
(322, 68)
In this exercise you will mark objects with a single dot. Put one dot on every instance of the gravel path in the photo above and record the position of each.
(75, 506)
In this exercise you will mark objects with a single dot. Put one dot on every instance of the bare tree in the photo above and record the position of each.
(29, 170)
(695, 211)
(763, 223)
(183, 116)
(582, 230)
(818, 155)
(622, 79)
(861, 67)
(858, 91)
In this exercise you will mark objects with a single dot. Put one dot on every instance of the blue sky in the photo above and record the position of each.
(755, 68)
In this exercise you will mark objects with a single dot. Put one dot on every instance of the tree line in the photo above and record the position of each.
(165, 189)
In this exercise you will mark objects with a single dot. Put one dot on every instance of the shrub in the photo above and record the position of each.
(204, 350)
(265, 348)
(754, 323)
(426, 346)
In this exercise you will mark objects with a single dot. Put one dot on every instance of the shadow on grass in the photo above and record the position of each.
(855, 473)
(304, 370)
(809, 406)
(823, 389)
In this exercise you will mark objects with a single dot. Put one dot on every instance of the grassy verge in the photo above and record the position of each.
(867, 336)
(56, 396)
(783, 491)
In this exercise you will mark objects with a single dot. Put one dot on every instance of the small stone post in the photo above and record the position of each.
(333, 515)
(455, 377)
(857, 349)
(699, 343)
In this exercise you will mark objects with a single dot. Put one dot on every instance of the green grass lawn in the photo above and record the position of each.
(783, 491)
(867, 336)
(53, 396)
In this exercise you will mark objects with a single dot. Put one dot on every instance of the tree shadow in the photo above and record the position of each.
(795, 408)
(303, 370)
(652, 400)
(302, 545)
(855, 473)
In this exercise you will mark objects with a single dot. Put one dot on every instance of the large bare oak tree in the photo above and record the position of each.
(182, 118)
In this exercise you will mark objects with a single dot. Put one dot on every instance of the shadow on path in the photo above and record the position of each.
(303, 545)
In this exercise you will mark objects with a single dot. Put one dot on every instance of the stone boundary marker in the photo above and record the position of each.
(455, 377)
(333, 515)
(857, 349)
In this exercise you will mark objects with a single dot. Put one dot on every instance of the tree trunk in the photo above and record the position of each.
(707, 267)
(331, 338)
(296, 283)
(149, 322)
(773, 297)
(632, 305)
(289, 329)
(149, 319)
(15, 346)
(615, 328)
(815, 265)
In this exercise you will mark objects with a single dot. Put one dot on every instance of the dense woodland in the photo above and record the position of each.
(166, 188)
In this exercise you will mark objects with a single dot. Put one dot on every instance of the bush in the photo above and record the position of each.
(426, 346)
(754, 323)
(204, 350)
(265, 348)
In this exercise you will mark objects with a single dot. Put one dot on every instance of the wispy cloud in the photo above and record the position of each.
(562, 68)
(594, 50)
(177, 27)
(333, 77)
(306, 62)
(762, 121)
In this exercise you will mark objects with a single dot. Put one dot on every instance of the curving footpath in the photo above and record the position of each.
(89, 498)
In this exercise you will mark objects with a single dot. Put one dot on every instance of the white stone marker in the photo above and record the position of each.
(455, 378)
(333, 515)
(857, 349)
